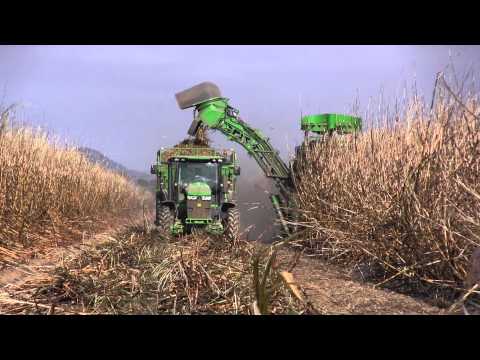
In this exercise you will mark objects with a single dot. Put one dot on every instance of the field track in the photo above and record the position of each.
(329, 289)
(333, 291)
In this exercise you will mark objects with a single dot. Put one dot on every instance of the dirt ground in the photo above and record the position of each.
(23, 266)
(332, 291)
(329, 289)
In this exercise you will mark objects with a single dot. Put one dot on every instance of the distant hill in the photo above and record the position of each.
(142, 178)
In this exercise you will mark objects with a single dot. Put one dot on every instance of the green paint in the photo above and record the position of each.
(274, 199)
(177, 228)
(198, 221)
(324, 123)
(215, 228)
(217, 114)
(199, 188)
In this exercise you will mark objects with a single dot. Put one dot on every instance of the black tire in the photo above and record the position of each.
(158, 210)
(165, 219)
(232, 225)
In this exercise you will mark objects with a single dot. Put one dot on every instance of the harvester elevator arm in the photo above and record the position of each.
(218, 115)
(213, 111)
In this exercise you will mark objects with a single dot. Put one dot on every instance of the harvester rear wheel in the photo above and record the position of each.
(232, 225)
(165, 219)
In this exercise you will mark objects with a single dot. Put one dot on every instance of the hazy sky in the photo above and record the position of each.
(120, 99)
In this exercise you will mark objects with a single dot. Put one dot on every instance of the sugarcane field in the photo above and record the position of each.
(295, 184)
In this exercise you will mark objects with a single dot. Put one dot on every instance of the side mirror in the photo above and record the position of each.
(236, 171)
(153, 169)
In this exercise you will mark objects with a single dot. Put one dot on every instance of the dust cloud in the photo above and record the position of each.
(257, 216)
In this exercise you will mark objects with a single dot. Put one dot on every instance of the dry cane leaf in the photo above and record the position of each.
(256, 310)
(292, 285)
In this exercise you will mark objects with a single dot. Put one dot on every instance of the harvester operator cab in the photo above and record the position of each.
(206, 172)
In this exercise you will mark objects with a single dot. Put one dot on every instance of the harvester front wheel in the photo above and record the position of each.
(165, 219)
(232, 225)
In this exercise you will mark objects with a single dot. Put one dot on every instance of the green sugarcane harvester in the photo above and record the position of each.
(212, 111)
